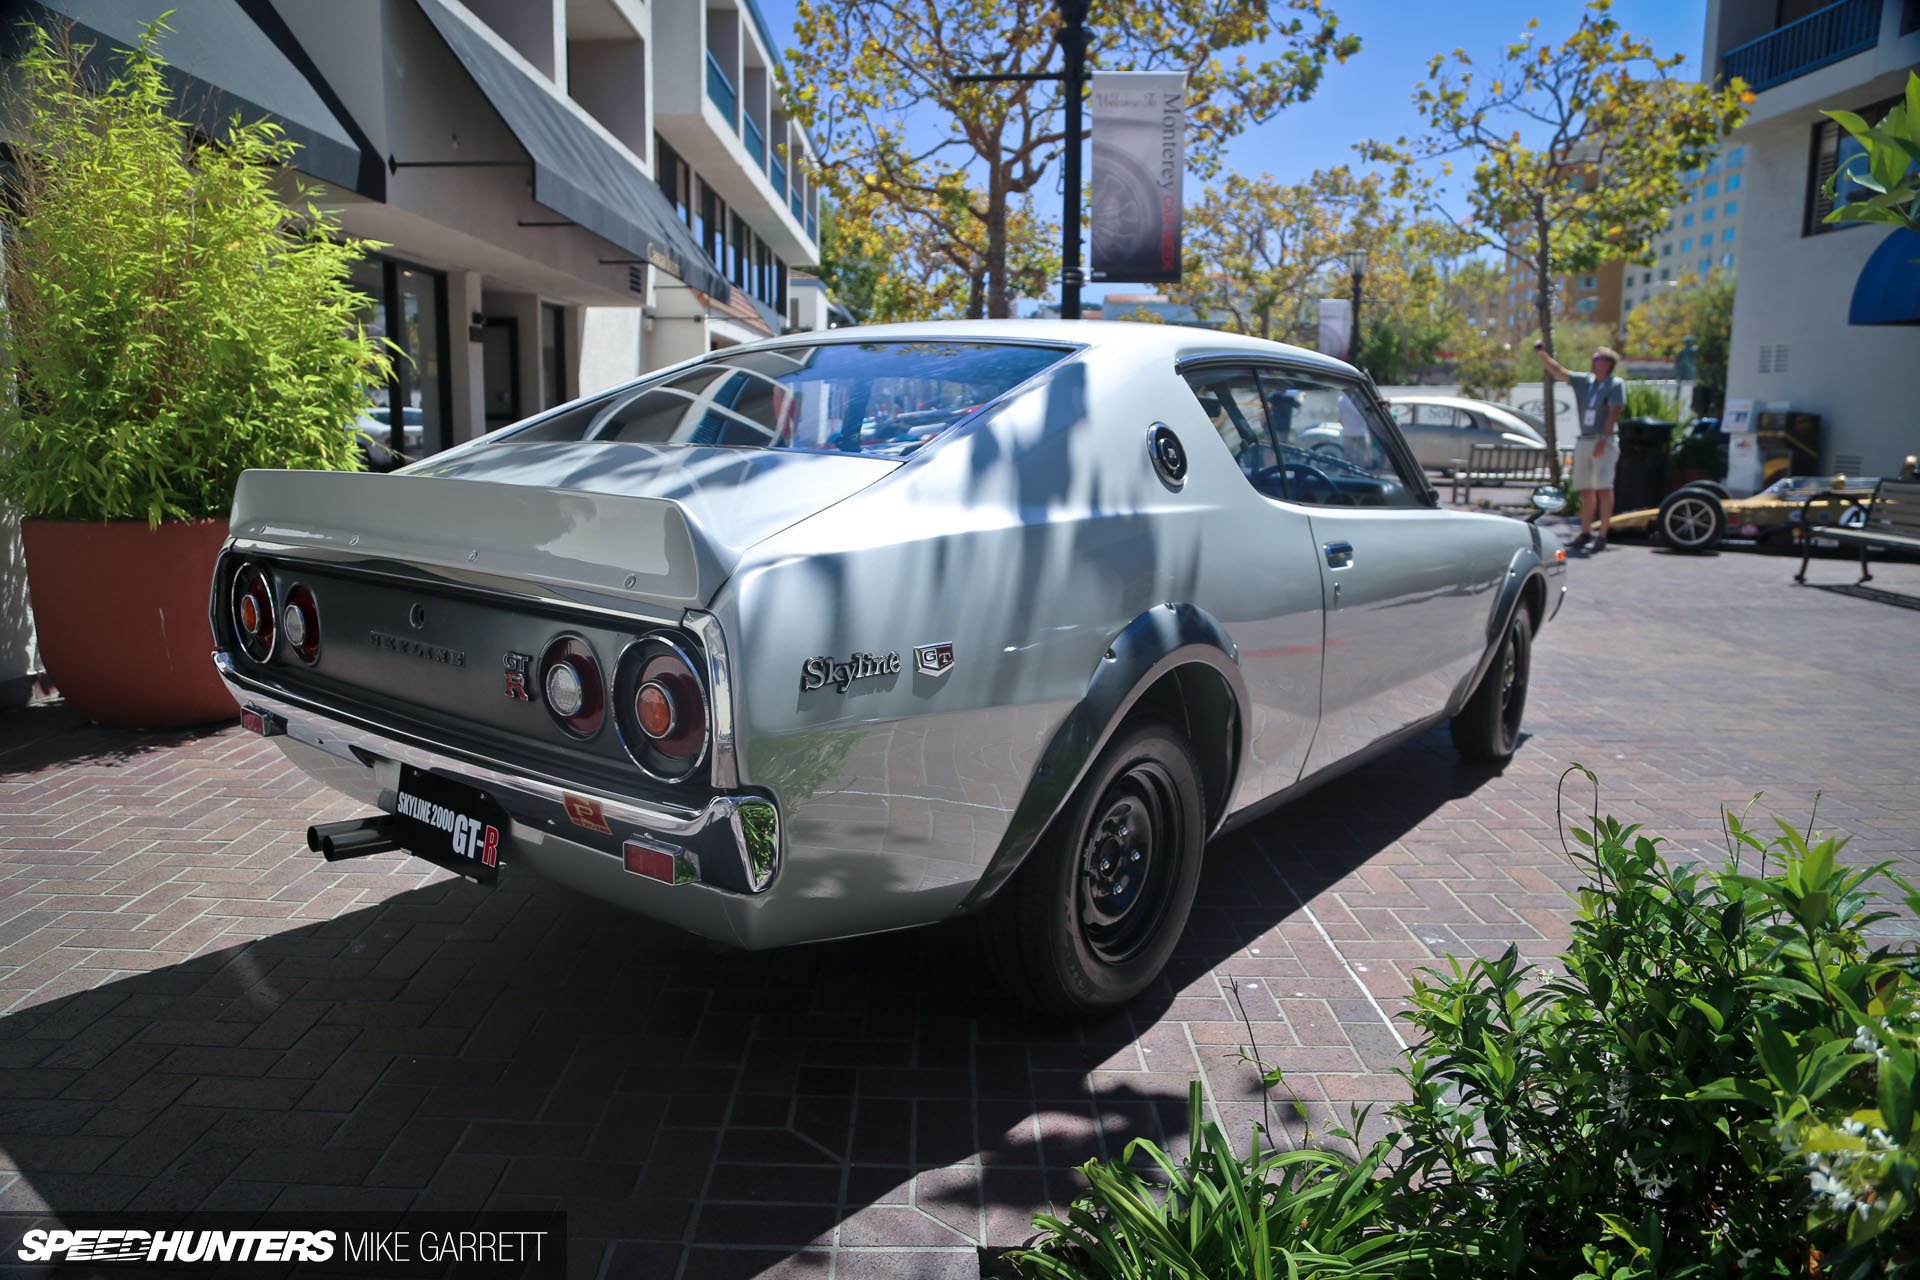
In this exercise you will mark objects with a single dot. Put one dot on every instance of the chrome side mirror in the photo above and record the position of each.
(1549, 498)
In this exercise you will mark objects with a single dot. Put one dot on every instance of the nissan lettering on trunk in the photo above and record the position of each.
(450, 824)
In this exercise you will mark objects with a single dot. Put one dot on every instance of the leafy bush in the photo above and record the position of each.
(170, 322)
(1719, 1078)
(1301, 1213)
(1648, 400)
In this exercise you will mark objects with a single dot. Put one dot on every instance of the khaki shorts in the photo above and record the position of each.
(1590, 472)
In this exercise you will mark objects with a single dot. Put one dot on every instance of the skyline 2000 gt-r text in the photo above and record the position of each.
(869, 629)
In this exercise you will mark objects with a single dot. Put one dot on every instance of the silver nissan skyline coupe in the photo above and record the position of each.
(861, 630)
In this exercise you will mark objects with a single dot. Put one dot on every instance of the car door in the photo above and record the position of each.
(1407, 588)
(1258, 581)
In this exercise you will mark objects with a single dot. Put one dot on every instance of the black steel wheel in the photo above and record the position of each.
(1488, 727)
(1692, 520)
(1092, 915)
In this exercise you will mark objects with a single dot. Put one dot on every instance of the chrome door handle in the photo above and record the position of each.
(1339, 555)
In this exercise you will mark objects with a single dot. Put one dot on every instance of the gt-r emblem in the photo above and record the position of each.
(517, 665)
(933, 659)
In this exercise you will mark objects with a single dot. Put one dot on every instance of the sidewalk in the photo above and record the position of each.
(196, 1012)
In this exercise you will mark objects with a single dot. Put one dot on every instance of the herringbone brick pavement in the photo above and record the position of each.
(195, 1012)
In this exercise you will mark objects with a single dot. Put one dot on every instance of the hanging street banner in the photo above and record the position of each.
(1139, 164)
(1336, 328)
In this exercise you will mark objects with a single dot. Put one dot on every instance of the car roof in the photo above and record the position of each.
(1451, 402)
(1182, 341)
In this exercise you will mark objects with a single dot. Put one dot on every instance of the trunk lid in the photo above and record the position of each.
(583, 515)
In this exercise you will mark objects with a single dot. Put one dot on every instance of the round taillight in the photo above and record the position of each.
(300, 624)
(660, 707)
(254, 627)
(653, 707)
(574, 692)
(566, 694)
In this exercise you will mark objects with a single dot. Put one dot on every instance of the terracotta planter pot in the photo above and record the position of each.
(121, 611)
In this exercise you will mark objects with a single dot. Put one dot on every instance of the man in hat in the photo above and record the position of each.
(1599, 398)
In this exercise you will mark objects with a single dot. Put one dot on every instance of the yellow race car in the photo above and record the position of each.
(1700, 516)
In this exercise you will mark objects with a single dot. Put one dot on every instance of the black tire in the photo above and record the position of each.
(1692, 521)
(1488, 728)
(1091, 917)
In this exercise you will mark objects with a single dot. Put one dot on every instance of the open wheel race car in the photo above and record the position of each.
(871, 629)
(1700, 516)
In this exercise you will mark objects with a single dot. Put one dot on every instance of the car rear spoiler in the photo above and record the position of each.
(643, 549)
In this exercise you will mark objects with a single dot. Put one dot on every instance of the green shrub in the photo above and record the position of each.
(1304, 1213)
(1717, 1079)
(1650, 400)
(170, 321)
(1649, 1109)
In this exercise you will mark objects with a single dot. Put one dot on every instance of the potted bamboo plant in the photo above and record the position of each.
(171, 320)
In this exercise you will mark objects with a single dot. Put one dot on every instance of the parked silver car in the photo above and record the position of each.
(864, 630)
(1443, 429)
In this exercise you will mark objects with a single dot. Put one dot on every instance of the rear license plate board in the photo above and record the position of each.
(449, 823)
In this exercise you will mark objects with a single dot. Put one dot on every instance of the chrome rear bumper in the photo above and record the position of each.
(720, 849)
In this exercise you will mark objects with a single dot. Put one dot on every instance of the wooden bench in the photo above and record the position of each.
(1499, 463)
(1890, 518)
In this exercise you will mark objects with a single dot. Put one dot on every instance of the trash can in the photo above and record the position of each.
(1640, 481)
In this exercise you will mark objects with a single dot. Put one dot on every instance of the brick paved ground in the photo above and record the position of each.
(196, 1012)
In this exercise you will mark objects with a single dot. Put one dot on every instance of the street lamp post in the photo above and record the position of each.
(1357, 264)
(1072, 38)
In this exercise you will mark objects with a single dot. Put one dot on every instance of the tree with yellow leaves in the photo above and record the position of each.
(1576, 148)
(1694, 308)
(1260, 250)
(899, 139)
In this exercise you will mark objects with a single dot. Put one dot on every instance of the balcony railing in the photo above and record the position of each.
(720, 91)
(756, 141)
(1806, 44)
(794, 203)
(779, 172)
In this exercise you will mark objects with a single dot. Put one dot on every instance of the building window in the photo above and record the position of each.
(1736, 157)
(1733, 183)
(1664, 273)
(1686, 244)
(713, 226)
(1712, 189)
(1706, 215)
(738, 255)
(1733, 207)
(1666, 250)
(1687, 221)
(1726, 260)
(1706, 265)
(1726, 237)
(1834, 150)
(1646, 277)
(675, 178)
(1587, 305)
(1589, 282)
(408, 306)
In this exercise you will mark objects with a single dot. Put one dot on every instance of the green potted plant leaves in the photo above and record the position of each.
(171, 321)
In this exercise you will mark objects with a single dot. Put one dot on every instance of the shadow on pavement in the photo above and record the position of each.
(42, 735)
(529, 1048)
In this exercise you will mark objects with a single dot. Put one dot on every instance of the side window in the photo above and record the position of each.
(1431, 415)
(1334, 447)
(1231, 399)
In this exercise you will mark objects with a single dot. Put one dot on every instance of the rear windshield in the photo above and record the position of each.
(881, 399)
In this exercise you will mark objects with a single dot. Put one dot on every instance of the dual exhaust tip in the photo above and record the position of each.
(338, 841)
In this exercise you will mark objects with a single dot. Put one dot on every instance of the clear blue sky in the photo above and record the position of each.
(1369, 95)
